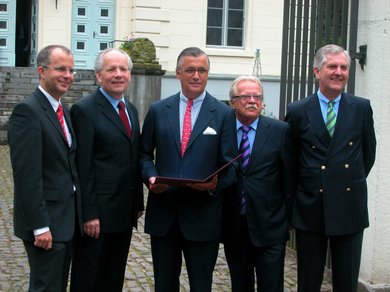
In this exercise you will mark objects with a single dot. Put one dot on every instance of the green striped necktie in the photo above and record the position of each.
(330, 118)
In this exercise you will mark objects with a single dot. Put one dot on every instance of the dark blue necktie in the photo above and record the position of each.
(246, 151)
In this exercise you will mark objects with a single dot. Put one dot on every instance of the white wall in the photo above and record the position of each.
(374, 83)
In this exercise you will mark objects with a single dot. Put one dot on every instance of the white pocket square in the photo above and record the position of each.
(209, 131)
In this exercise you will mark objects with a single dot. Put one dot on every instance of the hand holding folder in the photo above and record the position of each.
(174, 181)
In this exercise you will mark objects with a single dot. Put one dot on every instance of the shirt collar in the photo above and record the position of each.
(253, 125)
(53, 102)
(196, 100)
(112, 100)
(324, 99)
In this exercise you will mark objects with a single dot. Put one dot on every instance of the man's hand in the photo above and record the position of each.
(44, 240)
(156, 188)
(92, 228)
(210, 185)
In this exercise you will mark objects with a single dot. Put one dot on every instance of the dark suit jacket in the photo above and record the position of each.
(107, 162)
(332, 191)
(198, 213)
(268, 185)
(44, 170)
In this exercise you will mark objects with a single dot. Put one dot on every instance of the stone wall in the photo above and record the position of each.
(16, 83)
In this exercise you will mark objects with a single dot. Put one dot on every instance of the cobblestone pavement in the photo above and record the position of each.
(14, 269)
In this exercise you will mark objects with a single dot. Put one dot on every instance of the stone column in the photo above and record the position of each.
(373, 83)
(145, 86)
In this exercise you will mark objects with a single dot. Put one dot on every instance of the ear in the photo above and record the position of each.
(177, 73)
(316, 73)
(97, 74)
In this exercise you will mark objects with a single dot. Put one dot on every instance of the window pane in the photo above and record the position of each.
(234, 37)
(214, 17)
(214, 36)
(235, 19)
(215, 3)
(236, 4)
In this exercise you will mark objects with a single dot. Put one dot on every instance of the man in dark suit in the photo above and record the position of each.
(335, 143)
(43, 147)
(186, 218)
(255, 209)
(108, 165)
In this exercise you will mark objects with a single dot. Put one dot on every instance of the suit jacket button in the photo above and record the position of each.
(346, 165)
(321, 190)
(313, 146)
(350, 143)
(348, 189)
(323, 167)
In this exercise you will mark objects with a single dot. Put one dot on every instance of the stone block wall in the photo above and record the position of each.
(16, 83)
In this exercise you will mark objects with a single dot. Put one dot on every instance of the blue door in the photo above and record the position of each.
(7, 32)
(92, 30)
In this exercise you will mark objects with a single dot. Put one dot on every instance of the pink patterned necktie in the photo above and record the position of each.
(60, 116)
(186, 127)
(246, 151)
(124, 118)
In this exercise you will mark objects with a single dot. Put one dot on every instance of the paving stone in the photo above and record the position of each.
(14, 268)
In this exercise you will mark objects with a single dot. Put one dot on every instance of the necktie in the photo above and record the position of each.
(245, 150)
(330, 118)
(124, 118)
(185, 136)
(60, 116)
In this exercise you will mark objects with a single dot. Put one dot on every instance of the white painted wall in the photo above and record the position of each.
(374, 83)
(54, 24)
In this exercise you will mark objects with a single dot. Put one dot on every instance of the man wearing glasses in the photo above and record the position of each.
(186, 136)
(43, 147)
(255, 209)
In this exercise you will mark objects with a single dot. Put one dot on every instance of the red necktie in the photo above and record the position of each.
(185, 136)
(60, 116)
(124, 118)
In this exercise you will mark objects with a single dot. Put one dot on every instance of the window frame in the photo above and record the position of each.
(224, 26)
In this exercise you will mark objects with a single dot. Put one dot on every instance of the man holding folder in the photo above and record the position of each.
(186, 136)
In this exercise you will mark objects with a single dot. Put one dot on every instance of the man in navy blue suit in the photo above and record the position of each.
(335, 142)
(186, 219)
(255, 209)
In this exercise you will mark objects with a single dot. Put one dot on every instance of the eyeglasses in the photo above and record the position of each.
(191, 71)
(246, 97)
(62, 69)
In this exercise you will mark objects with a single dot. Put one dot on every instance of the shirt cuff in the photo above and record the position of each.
(41, 230)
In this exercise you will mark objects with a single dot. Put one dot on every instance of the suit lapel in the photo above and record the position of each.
(344, 116)
(203, 120)
(262, 134)
(172, 116)
(109, 112)
(50, 114)
(314, 116)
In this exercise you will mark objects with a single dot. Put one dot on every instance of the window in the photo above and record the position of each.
(225, 23)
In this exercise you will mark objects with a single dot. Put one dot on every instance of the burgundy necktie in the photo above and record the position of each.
(124, 118)
(185, 136)
(60, 116)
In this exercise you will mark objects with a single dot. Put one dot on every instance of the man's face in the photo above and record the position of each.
(57, 77)
(333, 75)
(193, 74)
(249, 101)
(115, 75)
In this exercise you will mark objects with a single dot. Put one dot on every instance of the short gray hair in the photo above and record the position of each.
(99, 58)
(233, 86)
(321, 55)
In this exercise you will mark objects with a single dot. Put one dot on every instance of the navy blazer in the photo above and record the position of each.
(331, 193)
(268, 185)
(108, 163)
(44, 170)
(198, 213)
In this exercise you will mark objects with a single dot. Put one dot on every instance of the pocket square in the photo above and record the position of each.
(209, 131)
